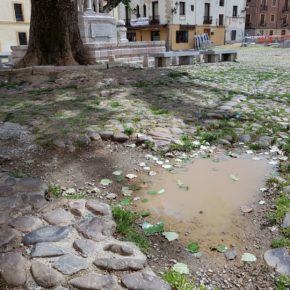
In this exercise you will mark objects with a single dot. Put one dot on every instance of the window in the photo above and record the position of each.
(221, 20)
(192, 7)
(138, 11)
(22, 38)
(283, 32)
(18, 12)
(271, 32)
(273, 18)
(233, 35)
(262, 18)
(131, 36)
(222, 2)
(155, 35)
(235, 11)
(144, 10)
(181, 36)
(181, 8)
(274, 3)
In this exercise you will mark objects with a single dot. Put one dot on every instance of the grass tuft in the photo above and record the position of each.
(283, 282)
(180, 281)
(125, 221)
(280, 243)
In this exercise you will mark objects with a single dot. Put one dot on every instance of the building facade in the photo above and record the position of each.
(177, 22)
(14, 23)
(268, 17)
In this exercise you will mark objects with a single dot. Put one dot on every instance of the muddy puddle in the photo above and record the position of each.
(202, 200)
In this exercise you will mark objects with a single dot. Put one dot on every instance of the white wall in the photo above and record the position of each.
(9, 27)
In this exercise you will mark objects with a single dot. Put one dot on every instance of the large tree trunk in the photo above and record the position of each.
(54, 35)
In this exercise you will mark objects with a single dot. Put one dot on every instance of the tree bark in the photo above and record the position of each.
(54, 35)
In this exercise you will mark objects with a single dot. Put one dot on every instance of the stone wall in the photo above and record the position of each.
(102, 51)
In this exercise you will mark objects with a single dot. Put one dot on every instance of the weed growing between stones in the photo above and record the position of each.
(129, 131)
(125, 221)
(54, 191)
(282, 207)
(280, 243)
(17, 174)
(283, 282)
(180, 281)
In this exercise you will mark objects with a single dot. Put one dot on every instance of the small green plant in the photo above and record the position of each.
(149, 144)
(283, 282)
(17, 174)
(115, 104)
(256, 146)
(54, 190)
(285, 168)
(280, 243)
(159, 111)
(129, 131)
(178, 281)
(282, 207)
(186, 145)
(125, 221)
(285, 232)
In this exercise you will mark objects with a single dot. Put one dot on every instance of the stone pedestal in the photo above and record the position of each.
(97, 27)
(121, 32)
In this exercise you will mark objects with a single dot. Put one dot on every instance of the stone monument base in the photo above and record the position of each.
(97, 27)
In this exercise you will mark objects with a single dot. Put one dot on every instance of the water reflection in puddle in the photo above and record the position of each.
(209, 209)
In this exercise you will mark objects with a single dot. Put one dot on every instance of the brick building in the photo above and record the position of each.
(267, 17)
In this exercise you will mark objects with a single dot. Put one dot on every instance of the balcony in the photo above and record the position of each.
(207, 20)
(248, 24)
(284, 24)
(154, 20)
(263, 7)
(263, 24)
(285, 9)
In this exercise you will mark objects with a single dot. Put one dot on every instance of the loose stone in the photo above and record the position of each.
(106, 135)
(120, 137)
(98, 208)
(124, 264)
(47, 250)
(70, 264)
(7, 235)
(278, 259)
(231, 254)
(59, 217)
(26, 223)
(95, 282)
(13, 269)
(286, 221)
(6, 190)
(46, 234)
(86, 247)
(45, 276)
(31, 185)
(96, 228)
(144, 281)
(77, 207)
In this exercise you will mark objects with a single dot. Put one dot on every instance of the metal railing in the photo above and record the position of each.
(285, 9)
(154, 19)
(263, 24)
(207, 20)
(263, 7)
